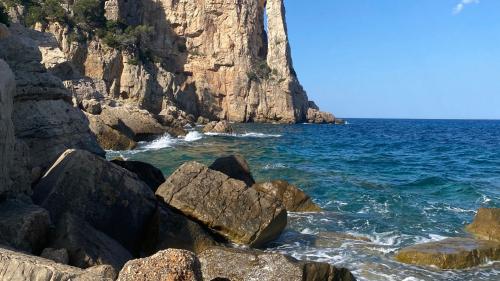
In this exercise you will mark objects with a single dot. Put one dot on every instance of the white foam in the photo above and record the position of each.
(274, 166)
(163, 142)
(245, 135)
(193, 136)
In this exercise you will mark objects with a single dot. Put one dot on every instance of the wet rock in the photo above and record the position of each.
(92, 106)
(241, 265)
(57, 255)
(227, 206)
(87, 246)
(234, 166)
(221, 127)
(23, 226)
(175, 265)
(148, 173)
(19, 266)
(294, 199)
(110, 198)
(486, 224)
(451, 253)
(170, 230)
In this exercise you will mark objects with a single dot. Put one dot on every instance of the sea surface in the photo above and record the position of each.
(394, 182)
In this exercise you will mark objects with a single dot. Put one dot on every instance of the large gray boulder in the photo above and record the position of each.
(234, 166)
(294, 199)
(24, 226)
(87, 246)
(17, 266)
(240, 265)
(227, 206)
(148, 173)
(110, 198)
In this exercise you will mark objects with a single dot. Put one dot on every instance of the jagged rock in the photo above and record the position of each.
(240, 265)
(227, 206)
(105, 270)
(234, 166)
(110, 198)
(7, 141)
(168, 229)
(148, 173)
(486, 224)
(113, 135)
(23, 226)
(19, 266)
(175, 265)
(202, 120)
(87, 246)
(57, 255)
(85, 89)
(92, 107)
(318, 117)
(294, 199)
(451, 253)
(221, 127)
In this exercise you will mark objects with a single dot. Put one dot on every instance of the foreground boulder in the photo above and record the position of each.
(168, 229)
(241, 265)
(294, 199)
(221, 127)
(227, 206)
(148, 173)
(234, 166)
(486, 224)
(110, 198)
(18, 266)
(451, 253)
(23, 226)
(87, 246)
(175, 265)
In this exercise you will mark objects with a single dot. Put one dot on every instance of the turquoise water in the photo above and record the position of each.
(396, 182)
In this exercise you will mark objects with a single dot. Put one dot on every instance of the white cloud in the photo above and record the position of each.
(460, 6)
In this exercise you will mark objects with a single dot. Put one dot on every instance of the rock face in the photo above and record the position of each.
(241, 265)
(57, 255)
(109, 135)
(294, 199)
(23, 226)
(110, 198)
(451, 253)
(234, 166)
(87, 246)
(18, 266)
(7, 141)
(486, 225)
(174, 265)
(221, 127)
(152, 176)
(227, 206)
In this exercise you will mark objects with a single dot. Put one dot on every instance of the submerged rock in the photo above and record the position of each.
(221, 127)
(175, 265)
(486, 224)
(227, 206)
(234, 166)
(294, 199)
(110, 198)
(241, 265)
(451, 253)
(148, 173)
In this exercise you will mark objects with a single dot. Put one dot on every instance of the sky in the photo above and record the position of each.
(398, 58)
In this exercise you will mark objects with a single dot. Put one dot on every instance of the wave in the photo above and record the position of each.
(193, 136)
(275, 166)
(246, 135)
(164, 141)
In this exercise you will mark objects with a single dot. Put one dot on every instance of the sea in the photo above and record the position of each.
(383, 184)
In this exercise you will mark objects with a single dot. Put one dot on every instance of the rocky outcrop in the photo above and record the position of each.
(110, 198)
(7, 141)
(149, 174)
(486, 224)
(241, 265)
(18, 266)
(24, 226)
(175, 265)
(221, 127)
(234, 166)
(451, 253)
(110, 134)
(294, 199)
(227, 206)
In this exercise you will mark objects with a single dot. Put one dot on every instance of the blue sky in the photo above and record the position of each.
(399, 58)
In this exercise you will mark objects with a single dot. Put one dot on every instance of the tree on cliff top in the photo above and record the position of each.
(4, 17)
(89, 14)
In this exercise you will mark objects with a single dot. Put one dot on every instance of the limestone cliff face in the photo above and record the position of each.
(215, 59)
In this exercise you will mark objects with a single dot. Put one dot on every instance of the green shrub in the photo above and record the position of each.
(4, 17)
(122, 37)
(44, 12)
(89, 14)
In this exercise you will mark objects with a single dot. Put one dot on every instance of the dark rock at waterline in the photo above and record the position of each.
(234, 166)
(110, 198)
(168, 229)
(87, 246)
(148, 173)
(221, 127)
(294, 199)
(227, 206)
(486, 224)
(23, 225)
(451, 253)
(239, 265)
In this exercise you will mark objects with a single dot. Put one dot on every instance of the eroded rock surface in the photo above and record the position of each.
(294, 199)
(486, 224)
(221, 127)
(234, 166)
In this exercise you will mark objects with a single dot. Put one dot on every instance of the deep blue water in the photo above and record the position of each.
(396, 182)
